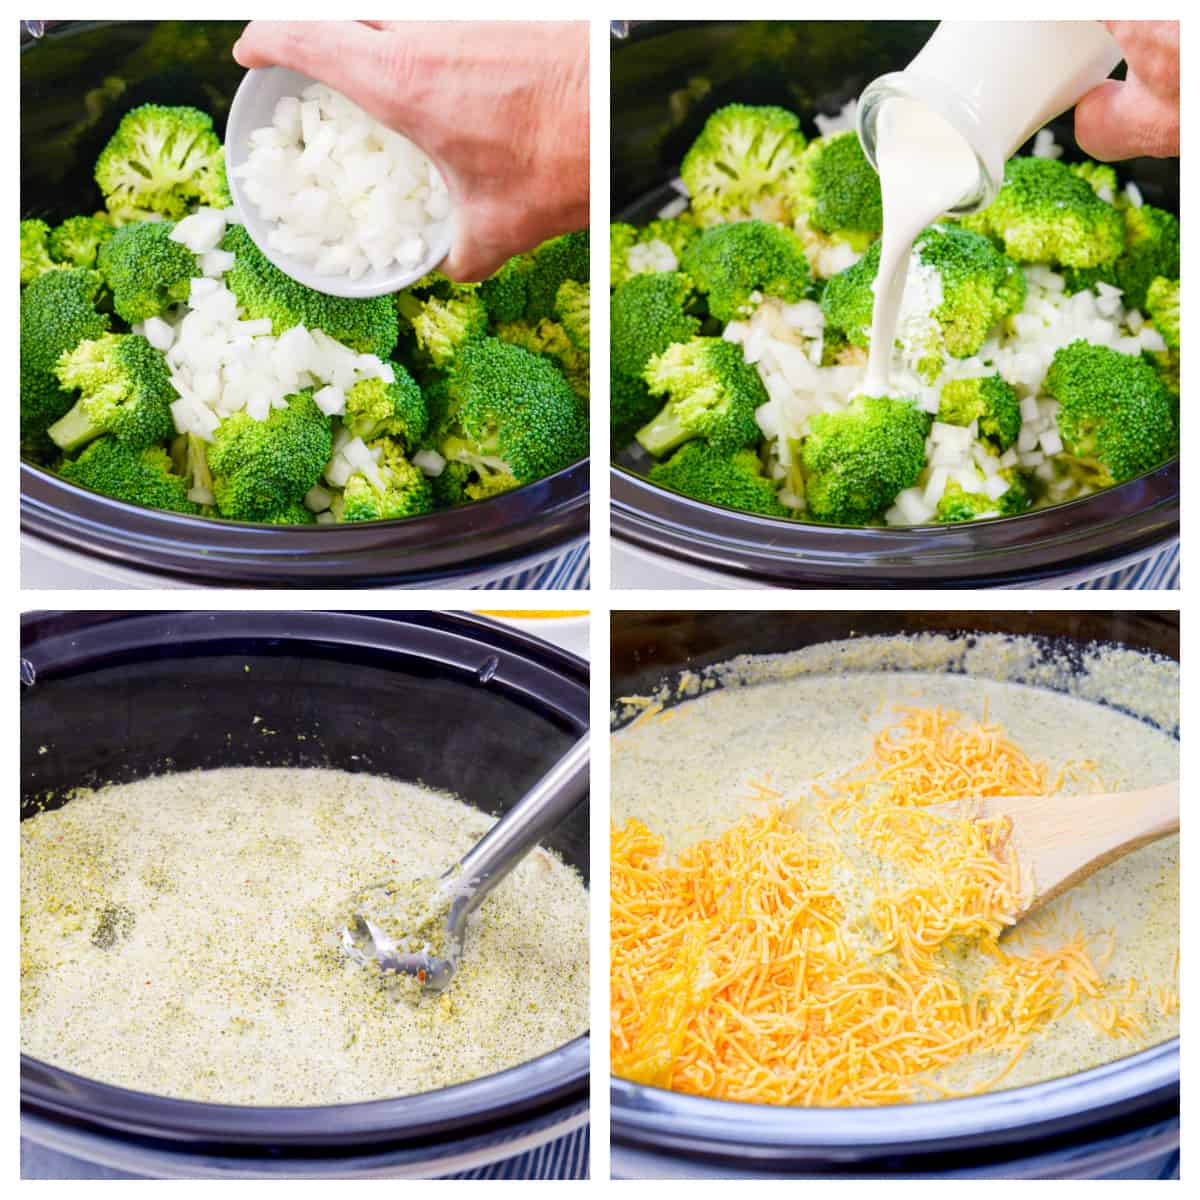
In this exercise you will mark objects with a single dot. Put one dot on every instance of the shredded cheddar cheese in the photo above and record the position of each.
(746, 968)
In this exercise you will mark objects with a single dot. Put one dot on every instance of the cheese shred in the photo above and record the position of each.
(746, 969)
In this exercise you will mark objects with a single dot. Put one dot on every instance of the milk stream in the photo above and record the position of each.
(925, 167)
(947, 123)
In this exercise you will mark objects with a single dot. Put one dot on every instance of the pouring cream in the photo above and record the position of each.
(940, 131)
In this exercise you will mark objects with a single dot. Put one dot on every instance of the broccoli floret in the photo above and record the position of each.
(621, 239)
(848, 301)
(676, 233)
(36, 258)
(77, 240)
(1019, 495)
(957, 504)
(126, 392)
(394, 489)
(1162, 306)
(630, 406)
(443, 327)
(1151, 249)
(731, 262)
(396, 410)
(163, 160)
(1100, 177)
(135, 476)
(836, 190)
(550, 340)
(740, 164)
(1114, 413)
(146, 271)
(712, 394)
(450, 485)
(1045, 213)
(552, 264)
(978, 285)
(990, 401)
(857, 461)
(411, 303)
(655, 248)
(58, 311)
(260, 467)
(293, 513)
(506, 293)
(435, 283)
(647, 314)
(435, 387)
(699, 471)
(512, 418)
(573, 308)
(369, 326)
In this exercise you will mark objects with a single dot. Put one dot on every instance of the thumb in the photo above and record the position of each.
(1124, 120)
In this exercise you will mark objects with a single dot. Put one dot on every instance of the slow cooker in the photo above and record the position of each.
(1116, 1121)
(78, 78)
(457, 702)
(667, 78)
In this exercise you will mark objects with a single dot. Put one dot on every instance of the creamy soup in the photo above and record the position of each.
(778, 739)
(180, 936)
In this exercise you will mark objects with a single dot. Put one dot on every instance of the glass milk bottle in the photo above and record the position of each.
(996, 83)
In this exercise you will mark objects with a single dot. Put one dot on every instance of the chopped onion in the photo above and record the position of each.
(343, 193)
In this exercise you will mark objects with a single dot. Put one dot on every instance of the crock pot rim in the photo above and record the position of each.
(706, 1125)
(559, 1074)
(556, 1076)
(549, 513)
(974, 554)
(63, 650)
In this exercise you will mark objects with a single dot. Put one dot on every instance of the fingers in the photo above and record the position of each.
(345, 55)
(473, 258)
(1124, 120)
(1151, 48)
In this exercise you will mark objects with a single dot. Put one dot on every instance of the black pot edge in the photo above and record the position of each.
(533, 521)
(771, 552)
(1136, 1088)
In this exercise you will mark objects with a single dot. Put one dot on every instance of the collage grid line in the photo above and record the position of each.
(600, 573)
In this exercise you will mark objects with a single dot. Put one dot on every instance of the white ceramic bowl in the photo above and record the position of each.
(253, 107)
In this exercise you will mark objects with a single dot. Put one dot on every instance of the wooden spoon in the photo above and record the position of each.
(1061, 840)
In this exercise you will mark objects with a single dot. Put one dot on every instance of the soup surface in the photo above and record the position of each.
(180, 936)
(788, 928)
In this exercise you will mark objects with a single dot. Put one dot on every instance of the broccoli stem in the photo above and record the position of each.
(74, 430)
(197, 462)
(408, 306)
(663, 434)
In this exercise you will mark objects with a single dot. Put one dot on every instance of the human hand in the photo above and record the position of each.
(500, 107)
(1139, 115)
